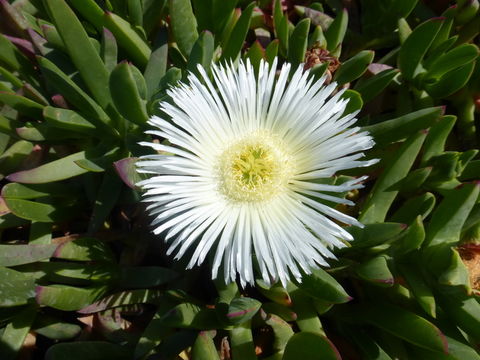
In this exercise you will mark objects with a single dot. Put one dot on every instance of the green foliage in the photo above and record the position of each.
(83, 277)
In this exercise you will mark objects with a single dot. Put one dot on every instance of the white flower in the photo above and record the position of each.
(240, 179)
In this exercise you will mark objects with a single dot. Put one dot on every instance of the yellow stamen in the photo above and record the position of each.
(255, 168)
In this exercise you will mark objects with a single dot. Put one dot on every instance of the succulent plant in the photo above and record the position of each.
(83, 277)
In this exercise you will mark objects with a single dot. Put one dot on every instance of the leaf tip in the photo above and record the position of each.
(122, 168)
(108, 33)
(38, 293)
(14, 176)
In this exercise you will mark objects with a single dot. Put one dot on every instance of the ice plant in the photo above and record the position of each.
(243, 180)
(240, 177)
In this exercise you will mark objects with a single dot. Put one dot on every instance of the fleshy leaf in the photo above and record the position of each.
(12, 255)
(84, 249)
(405, 325)
(242, 309)
(184, 25)
(60, 169)
(310, 346)
(15, 288)
(376, 271)
(322, 285)
(67, 298)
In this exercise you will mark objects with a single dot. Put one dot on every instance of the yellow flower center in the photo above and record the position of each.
(255, 168)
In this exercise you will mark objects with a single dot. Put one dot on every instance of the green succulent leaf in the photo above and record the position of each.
(21, 191)
(413, 238)
(376, 271)
(84, 249)
(17, 153)
(323, 286)
(276, 293)
(317, 17)
(204, 347)
(109, 49)
(60, 169)
(381, 198)
(374, 234)
(336, 31)
(256, 54)
(75, 95)
(126, 94)
(298, 42)
(421, 205)
(184, 25)
(413, 181)
(107, 197)
(373, 86)
(13, 59)
(416, 46)
(222, 10)
(68, 120)
(67, 298)
(81, 51)
(191, 316)
(463, 311)
(456, 274)
(202, 52)
(71, 273)
(22, 104)
(241, 340)
(242, 309)
(15, 332)
(355, 101)
(282, 331)
(281, 311)
(280, 25)
(12, 255)
(143, 296)
(405, 325)
(448, 218)
(90, 10)
(40, 211)
(455, 58)
(128, 38)
(451, 82)
(53, 328)
(306, 313)
(310, 346)
(157, 63)
(456, 351)
(235, 42)
(437, 137)
(354, 67)
(16, 288)
(420, 289)
(399, 128)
